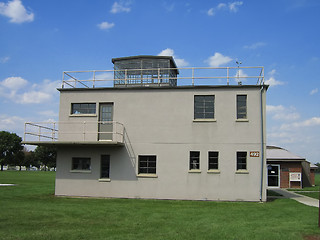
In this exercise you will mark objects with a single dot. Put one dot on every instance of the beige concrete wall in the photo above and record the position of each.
(160, 122)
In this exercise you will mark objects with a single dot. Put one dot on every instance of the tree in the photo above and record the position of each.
(10, 145)
(46, 155)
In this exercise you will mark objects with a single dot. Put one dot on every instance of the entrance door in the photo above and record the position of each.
(273, 176)
(105, 124)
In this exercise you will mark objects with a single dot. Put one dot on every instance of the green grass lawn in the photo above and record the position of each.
(31, 211)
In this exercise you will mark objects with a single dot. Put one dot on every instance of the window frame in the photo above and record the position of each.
(240, 161)
(81, 163)
(211, 158)
(242, 114)
(194, 156)
(82, 109)
(148, 160)
(204, 106)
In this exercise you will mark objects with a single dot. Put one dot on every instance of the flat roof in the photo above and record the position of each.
(144, 57)
(163, 87)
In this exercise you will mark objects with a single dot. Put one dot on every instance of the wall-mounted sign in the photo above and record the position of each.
(255, 154)
(295, 177)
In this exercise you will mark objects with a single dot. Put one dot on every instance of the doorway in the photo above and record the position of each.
(105, 125)
(273, 175)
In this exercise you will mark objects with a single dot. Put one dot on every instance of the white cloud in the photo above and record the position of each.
(16, 12)
(271, 81)
(12, 124)
(169, 7)
(49, 113)
(281, 113)
(255, 45)
(211, 12)
(16, 89)
(217, 60)
(314, 91)
(233, 7)
(312, 122)
(121, 6)
(4, 59)
(14, 83)
(170, 52)
(105, 25)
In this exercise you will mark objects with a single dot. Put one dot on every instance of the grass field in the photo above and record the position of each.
(29, 210)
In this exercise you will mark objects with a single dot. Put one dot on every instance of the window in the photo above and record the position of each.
(213, 160)
(194, 160)
(83, 108)
(204, 107)
(241, 160)
(79, 163)
(147, 164)
(105, 166)
(241, 106)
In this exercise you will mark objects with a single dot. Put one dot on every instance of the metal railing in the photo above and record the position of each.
(188, 76)
(74, 131)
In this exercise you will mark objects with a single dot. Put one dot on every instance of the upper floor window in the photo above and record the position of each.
(147, 164)
(81, 163)
(194, 160)
(83, 108)
(241, 160)
(241, 106)
(213, 160)
(204, 107)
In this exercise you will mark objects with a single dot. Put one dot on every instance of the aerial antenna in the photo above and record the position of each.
(238, 72)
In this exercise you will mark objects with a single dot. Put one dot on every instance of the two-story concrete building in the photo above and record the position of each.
(150, 130)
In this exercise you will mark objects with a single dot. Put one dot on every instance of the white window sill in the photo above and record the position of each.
(104, 180)
(80, 171)
(83, 115)
(242, 172)
(194, 171)
(242, 120)
(204, 120)
(213, 171)
(147, 175)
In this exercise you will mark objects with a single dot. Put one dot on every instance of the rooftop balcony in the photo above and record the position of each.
(74, 132)
(163, 77)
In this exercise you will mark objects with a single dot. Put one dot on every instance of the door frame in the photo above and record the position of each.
(279, 174)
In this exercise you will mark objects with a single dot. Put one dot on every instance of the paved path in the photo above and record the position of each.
(300, 198)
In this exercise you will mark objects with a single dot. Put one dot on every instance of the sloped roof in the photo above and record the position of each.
(278, 153)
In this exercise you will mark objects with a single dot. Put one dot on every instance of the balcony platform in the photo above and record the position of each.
(73, 143)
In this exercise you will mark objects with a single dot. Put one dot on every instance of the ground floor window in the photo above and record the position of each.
(147, 164)
(213, 160)
(194, 160)
(81, 163)
(105, 166)
(241, 160)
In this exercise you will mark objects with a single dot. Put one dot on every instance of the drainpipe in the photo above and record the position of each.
(262, 143)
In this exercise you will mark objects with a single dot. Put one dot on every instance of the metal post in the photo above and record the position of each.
(192, 76)
(227, 75)
(94, 78)
(159, 76)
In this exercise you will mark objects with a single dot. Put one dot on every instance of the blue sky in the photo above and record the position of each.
(41, 39)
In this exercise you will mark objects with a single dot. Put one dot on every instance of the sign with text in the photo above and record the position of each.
(255, 154)
(295, 176)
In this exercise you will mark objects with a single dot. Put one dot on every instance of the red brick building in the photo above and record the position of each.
(287, 170)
